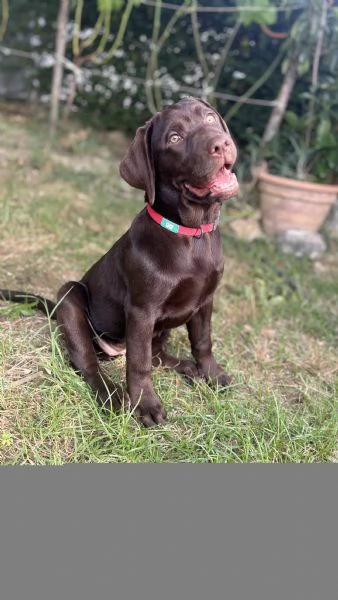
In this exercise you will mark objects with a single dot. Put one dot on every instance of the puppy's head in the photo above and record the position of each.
(186, 146)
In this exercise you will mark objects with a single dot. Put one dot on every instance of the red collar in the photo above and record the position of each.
(174, 228)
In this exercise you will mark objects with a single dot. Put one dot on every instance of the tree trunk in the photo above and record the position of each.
(282, 101)
(60, 49)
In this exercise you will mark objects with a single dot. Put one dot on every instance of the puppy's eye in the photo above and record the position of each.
(210, 118)
(174, 138)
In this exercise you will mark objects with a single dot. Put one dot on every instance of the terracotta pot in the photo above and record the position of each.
(291, 204)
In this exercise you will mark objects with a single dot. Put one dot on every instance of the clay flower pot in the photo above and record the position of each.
(291, 204)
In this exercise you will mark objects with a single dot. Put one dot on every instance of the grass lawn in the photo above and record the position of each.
(275, 325)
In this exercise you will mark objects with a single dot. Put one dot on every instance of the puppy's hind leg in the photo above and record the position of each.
(72, 318)
(161, 357)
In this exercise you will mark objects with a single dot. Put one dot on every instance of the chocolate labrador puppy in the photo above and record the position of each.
(163, 272)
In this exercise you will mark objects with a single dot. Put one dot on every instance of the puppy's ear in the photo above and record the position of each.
(223, 123)
(137, 167)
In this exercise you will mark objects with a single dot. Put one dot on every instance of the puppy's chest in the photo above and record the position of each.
(194, 288)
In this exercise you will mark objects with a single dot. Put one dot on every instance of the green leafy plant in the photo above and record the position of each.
(289, 154)
(300, 141)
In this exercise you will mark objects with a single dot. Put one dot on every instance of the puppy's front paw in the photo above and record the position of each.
(221, 380)
(150, 412)
(214, 374)
(188, 368)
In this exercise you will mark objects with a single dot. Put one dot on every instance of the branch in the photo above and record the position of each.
(77, 27)
(282, 100)
(156, 48)
(119, 35)
(224, 54)
(197, 40)
(152, 63)
(226, 9)
(315, 71)
(106, 33)
(168, 29)
(4, 20)
(92, 37)
(255, 86)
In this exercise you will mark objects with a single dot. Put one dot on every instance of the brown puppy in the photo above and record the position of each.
(163, 272)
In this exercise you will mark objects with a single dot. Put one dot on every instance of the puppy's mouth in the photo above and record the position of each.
(224, 184)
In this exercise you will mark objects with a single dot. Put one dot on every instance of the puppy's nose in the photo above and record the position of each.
(218, 144)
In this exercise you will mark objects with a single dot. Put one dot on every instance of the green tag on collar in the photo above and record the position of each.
(173, 227)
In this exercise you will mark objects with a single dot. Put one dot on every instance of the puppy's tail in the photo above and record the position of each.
(39, 302)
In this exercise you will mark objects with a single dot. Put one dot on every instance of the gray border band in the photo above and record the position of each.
(169, 531)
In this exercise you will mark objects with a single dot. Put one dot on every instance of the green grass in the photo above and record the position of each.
(275, 326)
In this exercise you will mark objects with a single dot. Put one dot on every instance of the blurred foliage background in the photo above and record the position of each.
(125, 59)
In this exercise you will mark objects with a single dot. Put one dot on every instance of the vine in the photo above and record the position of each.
(100, 35)
(4, 18)
(153, 93)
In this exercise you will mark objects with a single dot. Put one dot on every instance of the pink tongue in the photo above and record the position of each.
(224, 183)
(223, 177)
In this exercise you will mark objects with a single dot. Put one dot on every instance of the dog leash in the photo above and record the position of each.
(175, 228)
